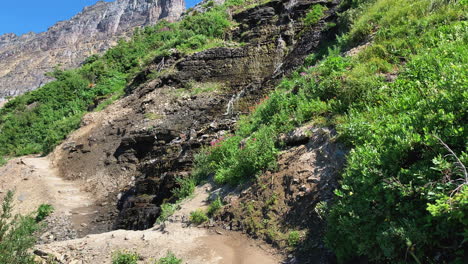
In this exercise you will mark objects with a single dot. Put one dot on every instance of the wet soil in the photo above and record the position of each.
(195, 245)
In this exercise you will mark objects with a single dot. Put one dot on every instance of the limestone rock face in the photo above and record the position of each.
(24, 59)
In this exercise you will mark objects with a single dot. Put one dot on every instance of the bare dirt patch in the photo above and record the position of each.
(35, 182)
(193, 244)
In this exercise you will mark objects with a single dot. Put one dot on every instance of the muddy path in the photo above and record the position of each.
(193, 244)
(36, 182)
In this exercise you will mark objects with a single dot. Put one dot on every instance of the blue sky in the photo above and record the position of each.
(37, 15)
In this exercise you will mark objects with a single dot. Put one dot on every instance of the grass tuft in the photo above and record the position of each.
(198, 217)
(125, 257)
(170, 258)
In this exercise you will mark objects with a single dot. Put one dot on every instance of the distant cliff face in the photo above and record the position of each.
(24, 59)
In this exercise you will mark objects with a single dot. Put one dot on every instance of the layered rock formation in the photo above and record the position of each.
(140, 145)
(25, 59)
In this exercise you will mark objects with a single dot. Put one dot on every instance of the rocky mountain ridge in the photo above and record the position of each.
(25, 59)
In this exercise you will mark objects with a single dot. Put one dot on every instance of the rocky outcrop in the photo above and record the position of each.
(25, 59)
(149, 138)
(293, 197)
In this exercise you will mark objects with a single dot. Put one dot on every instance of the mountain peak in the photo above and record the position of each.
(25, 59)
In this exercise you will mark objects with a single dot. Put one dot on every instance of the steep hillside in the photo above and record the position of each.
(395, 88)
(152, 134)
(25, 59)
(334, 130)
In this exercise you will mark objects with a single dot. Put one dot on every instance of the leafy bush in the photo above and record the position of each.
(236, 159)
(167, 209)
(16, 234)
(125, 257)
(2, 161)
(214, 207)
(170, 258)
(208, 24)
(198, 217)
(396, 169)
(43, 211)
(293, 238)
(185, 189)
(314, 15)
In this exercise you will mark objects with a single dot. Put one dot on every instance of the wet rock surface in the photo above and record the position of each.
(137, 147)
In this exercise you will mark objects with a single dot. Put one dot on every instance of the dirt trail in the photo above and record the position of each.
(35, 182)
(192, 244)
(66, 195)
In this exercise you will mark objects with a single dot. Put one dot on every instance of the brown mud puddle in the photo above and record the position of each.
(234, 248)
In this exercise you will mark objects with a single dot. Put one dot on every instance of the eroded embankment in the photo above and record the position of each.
(135, 149)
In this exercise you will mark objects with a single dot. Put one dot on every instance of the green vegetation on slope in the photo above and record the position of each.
(314, 15)
(170, 258)
(401, 105)
(17, 233)
(37, 121)
(198, 217)
(125, 257)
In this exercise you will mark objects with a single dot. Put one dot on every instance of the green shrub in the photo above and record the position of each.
(43, 211)
(214, 207)
(396, 170)
(186, 187)
(198, 217)
(210, 24)
(3, 161)
(170, 258)
(167, 209)
(396, 164)
(314, 15)
(16, 234)
(294, 238)
(125, 257)
(234, 159)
